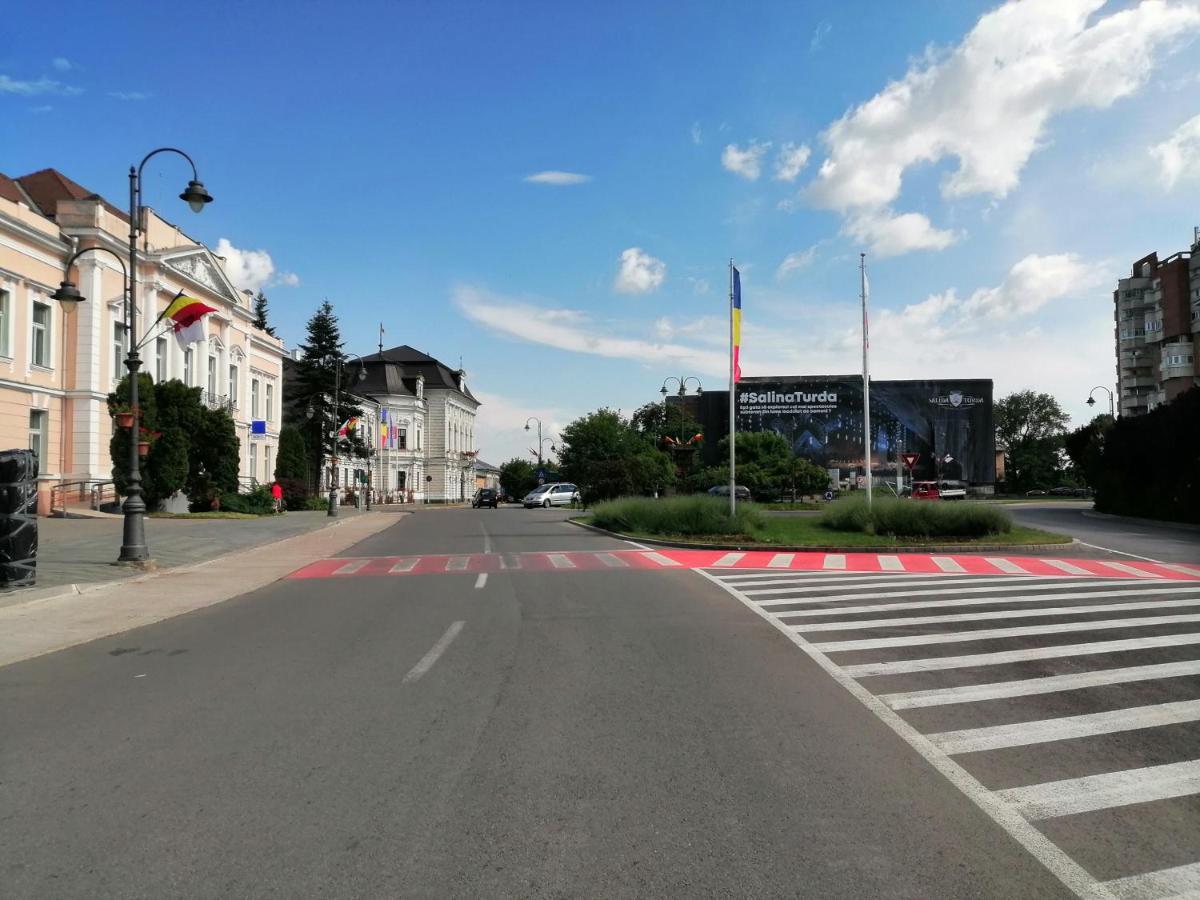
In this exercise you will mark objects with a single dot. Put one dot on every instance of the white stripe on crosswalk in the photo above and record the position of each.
(823, 610)
(660, 559)
(946, 564)
(990, 634)
(1180, 882)
(891, 563)
(819, 576)
(1004, 657)
(961, 591)
(1022, 734)
(1026, 687)
(781, 560)
(834, 561)
(1093, 792)
(1126, 568)
(1007, 565)
(457, 563)
(560, 561)
(351, 567)
(1184, 570)
(1036, 613)
(1069, 568)
(614, 562)
(405, 565)
(729, 559)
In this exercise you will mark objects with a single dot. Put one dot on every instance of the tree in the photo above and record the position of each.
(260, 314)
(518, 477)
(1030, 426)
(292, 460)
(213, 462)
(607, 457)
(1085, 448)
(164, 469)
(658, 420)
(805, 477)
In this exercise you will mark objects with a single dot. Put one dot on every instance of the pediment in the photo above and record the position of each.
(199, 266)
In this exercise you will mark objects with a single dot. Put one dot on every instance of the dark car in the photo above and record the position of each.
(486, 497)
(722, 490)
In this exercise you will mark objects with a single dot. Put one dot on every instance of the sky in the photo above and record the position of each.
(552, 192)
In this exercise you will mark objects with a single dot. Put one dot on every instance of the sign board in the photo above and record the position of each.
(910, 459)
(258, 426)
(861, 480)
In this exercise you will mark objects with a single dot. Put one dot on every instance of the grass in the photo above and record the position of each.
(916, 518)
(216, 514)
(788, 506)
(695, 515)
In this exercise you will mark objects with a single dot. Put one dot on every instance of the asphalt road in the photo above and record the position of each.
(608, 733)
(1162, 541)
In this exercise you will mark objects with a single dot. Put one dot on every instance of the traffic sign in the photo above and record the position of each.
(910, 459)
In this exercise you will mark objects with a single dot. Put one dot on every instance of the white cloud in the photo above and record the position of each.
(747, 162)
(61, 64)
(1178, 157)
(557, 179)
(791, 161)
(697, 134)
(291, 279)
(573, 331)
(986, 103)
(793, 262)
(640, 272)
(130, 95)
(700, 286)
(818, 36)
(500, 427)
(35, 88)
(249, 270)
(888, 234)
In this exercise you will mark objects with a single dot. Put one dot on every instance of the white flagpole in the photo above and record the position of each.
(866, 377)
(732, 407)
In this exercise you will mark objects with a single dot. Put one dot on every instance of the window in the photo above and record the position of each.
(233, 385)
(270, 402)
(161, 349)
(402, 440)
(5, 315)
(212, 376)
(418, 438)
(400, 476)
(253, 460)
(254, 398)
(267, 471)
(118, 348)
(37, 436)
(187, 366)
(41, 335)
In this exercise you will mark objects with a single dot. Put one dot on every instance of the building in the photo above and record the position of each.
(57, 370)
(486, 475)
(1157, 314)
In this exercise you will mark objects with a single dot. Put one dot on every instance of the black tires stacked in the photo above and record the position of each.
(18, 518)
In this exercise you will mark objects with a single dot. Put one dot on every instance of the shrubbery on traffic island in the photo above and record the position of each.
(258, 502)
(688, 515)
(916, 518)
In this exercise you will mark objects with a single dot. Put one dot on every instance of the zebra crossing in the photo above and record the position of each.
(1067, 706)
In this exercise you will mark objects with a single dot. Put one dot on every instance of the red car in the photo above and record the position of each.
(932, 490)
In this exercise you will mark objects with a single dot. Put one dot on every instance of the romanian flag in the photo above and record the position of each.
(735, 312)
(383, 429)
(186, 314)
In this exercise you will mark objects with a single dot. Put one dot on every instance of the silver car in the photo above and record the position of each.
(558, 493)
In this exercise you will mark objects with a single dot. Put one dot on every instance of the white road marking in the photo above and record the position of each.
(481, 581)
(834, 561)
(1069, 568)
(954, 604)
(891, 563)
(560, 561)
(405, 565)
(997, 690)
(1021, 734)
(1118, 552)
(1093, 792)
(729, 559)
(946, 564)
(819, 576)
(1007, 565)
(938, 663)
(427, 661)
(457, 563)
(989, 634)
(781, 560)
(1069, 872)
(959, 592)
(1128, 569)
(1035, 613)
(351, 567)
(636, 544)
(660, 559)
(487, 538)
(614, 562)
(1180, 882)
(1185, 570)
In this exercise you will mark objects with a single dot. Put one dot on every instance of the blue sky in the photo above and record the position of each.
(1000, 165)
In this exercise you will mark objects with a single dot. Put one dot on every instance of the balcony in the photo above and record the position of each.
(218, 401)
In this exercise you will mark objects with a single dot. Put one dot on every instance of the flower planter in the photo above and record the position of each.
(143, 448)
(125, 420)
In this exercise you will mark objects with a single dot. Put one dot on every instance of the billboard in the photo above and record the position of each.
(949, 423)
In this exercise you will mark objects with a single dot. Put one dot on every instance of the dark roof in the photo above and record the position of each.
(385, 378)
(9, 189)
(481, 465)
(413, 363)
(48, 186)
(402, 354)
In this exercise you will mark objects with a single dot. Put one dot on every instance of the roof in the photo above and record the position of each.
(481, 466)
(10, 190)
(413, 363)
(48, 186)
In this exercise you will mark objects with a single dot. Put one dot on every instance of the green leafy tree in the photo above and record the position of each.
(260, 314)
(1031, 427)
(764, 464)
(292, 460)
(214, 458)
(164, 469)
(518, 477)
(660, 420)
(1085, 448)
(607, 457)
(804, 477)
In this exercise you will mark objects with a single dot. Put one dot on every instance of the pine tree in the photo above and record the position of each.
(260, 314)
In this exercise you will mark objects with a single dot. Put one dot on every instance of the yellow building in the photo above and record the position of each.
(56, 370)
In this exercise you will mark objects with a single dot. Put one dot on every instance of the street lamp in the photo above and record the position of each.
(540, 439)
(337, 387)
(1091, 401)
(133, 542)
(682, 392)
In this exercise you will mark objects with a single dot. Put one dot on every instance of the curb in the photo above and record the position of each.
(881, 548)
(1159, 523)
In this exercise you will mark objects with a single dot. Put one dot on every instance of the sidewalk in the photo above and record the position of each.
(42, 621)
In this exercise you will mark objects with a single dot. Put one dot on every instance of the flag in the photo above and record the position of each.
(383, 429)
(186, 315)
(736, 313)
(351, 424)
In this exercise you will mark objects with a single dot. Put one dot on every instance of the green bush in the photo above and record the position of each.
(695, 515)
(916, 518)
(258, 502)
(315, 503)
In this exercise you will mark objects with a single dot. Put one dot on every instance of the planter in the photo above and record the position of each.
(124, 420)
(143, 448)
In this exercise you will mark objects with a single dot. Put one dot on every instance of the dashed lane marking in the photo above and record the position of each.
(351, 567)
(947, 564)
(560, 561)
(1007, 565)
(781, 561)
(729, 559)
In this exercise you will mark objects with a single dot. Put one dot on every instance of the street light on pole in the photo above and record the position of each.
(539, 450)
(682, 392)
(1091, 401)
(133, 542)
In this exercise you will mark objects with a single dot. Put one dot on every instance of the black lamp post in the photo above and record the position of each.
(133, 543)
(682, 392)
(1091, 401)
(540, 438)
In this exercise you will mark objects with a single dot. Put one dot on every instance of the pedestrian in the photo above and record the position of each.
(277, 496)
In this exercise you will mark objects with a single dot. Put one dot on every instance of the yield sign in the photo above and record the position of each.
(910, 459)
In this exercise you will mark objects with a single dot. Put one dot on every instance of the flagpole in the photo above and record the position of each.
(862, 268)
(732, 406)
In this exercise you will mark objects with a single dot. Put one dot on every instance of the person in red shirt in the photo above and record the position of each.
(277, 496)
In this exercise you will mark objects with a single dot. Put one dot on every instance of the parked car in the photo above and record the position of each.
(558, 493)
(722, 490)
(486, 497)
(1036, 492)
(938, 490)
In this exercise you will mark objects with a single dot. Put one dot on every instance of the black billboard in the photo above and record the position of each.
(948, 423)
